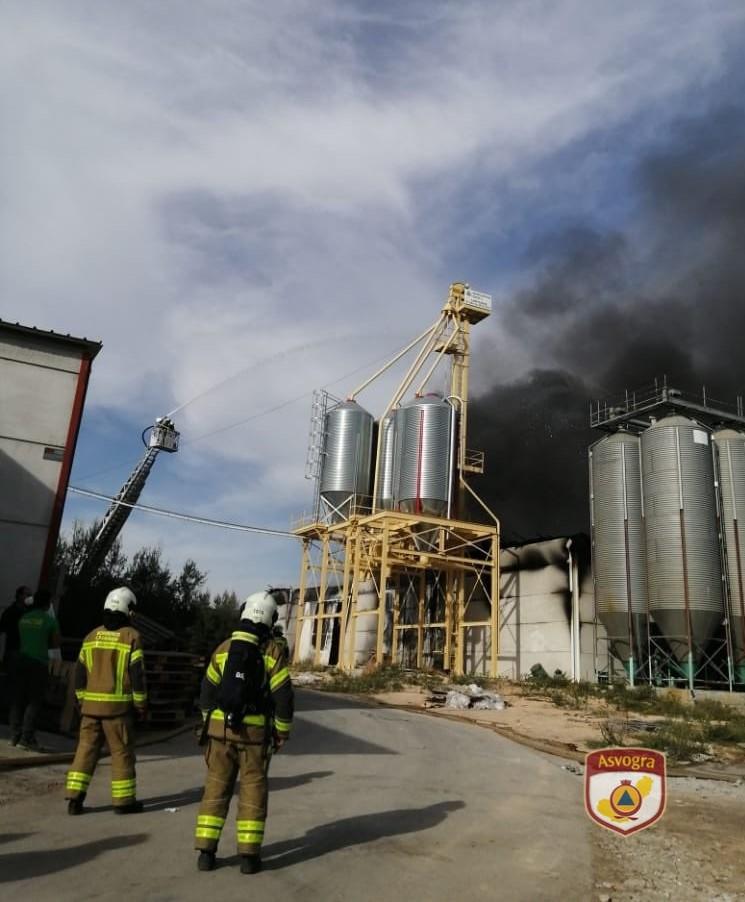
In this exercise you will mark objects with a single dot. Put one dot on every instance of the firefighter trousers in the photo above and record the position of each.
(225, 761)
(119, 735)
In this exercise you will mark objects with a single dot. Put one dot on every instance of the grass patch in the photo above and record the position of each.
(613, 733)
(385, 679)
(561, 691)
(679, 739)
(307, 666)
(465, 679)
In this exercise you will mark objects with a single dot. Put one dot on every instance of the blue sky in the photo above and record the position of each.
(284, 191)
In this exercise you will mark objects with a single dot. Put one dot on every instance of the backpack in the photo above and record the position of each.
(244, 687)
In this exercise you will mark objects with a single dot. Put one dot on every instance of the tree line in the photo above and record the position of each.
(177, 601)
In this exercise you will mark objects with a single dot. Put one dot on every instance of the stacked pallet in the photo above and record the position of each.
(172, 684)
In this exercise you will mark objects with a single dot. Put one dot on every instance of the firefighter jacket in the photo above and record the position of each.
(280, 703)
(110, 673)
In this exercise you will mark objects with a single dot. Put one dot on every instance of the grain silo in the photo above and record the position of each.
(683, 560)
(619, 546)
(730, 446)
(389, 463)
(347, 451)
(425, 435)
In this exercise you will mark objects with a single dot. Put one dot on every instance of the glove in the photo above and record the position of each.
(140, 714)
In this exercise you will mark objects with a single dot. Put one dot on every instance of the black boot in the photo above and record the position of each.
(75, 806)
(250, 864)
(206, 861)
(129, 808)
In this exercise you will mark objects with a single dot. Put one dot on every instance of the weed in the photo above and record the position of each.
(679, 739)
(307, 666)
(614, 732)
(464, 679)
(384, 679)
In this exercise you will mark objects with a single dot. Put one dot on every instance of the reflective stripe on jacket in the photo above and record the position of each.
(280, 689)
(110, 674)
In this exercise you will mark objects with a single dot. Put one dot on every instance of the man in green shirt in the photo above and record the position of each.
(38, 632)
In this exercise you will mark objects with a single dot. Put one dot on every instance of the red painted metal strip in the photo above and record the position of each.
(64, 476)
(418, 501)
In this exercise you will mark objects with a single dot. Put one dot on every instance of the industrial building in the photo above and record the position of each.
(546, 618)
(43, 382)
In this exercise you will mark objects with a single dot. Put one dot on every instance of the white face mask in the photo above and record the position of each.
(28, 600)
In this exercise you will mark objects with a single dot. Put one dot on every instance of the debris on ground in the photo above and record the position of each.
(471, 697)
(308, 678)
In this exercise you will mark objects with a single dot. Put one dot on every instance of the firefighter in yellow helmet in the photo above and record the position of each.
(247, 703)
(110, 689)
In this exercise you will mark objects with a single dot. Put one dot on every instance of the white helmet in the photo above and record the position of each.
(260, 608)
(122, 600)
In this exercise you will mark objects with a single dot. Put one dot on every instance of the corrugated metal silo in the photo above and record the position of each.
(389, 463)
(347, 451)
(683, 561)
(423, 428)
(730, 447)
(619, 545)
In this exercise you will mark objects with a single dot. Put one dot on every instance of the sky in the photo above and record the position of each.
(246, 201)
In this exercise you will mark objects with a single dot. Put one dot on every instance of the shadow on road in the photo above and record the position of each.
(23, 865)
(354, 831)
(317, 700)
(13, 837)
(276, 783)
(192, 796)
(157, 803)
(309, 738)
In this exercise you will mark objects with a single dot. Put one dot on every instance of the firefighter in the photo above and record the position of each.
(110, 689)
(247, 703)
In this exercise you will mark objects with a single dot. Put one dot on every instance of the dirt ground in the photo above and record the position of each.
(696, 853)
(531, 717)
(19, 784)
(564, 731)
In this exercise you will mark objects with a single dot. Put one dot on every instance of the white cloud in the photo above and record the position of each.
(208, 185)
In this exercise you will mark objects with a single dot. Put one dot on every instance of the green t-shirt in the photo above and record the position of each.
(35, 629)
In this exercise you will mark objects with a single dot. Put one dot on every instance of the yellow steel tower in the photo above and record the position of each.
(409, 588)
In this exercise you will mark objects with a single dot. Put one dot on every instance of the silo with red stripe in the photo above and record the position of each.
(424, 432)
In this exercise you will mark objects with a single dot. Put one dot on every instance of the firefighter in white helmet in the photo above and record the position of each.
(247, 704)
(110, 689)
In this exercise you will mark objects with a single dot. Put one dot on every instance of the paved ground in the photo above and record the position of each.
(366, 803)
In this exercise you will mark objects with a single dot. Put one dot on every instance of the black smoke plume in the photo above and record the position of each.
(609, 311)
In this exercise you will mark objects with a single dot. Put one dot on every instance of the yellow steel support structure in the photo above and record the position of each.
(426, 573)
(430, 585)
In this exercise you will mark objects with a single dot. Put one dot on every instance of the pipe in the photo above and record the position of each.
(408, 379)
(450, 400)
(632, 643)
(482, 503)
(391, 362)
(441, 354)
(574, 632)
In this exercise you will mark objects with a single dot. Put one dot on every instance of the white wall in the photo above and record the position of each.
(536, 610)
(38, 379)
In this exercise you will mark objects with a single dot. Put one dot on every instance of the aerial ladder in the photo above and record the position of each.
(163, 437)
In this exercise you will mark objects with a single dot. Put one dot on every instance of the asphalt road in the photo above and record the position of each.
(366, 803)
